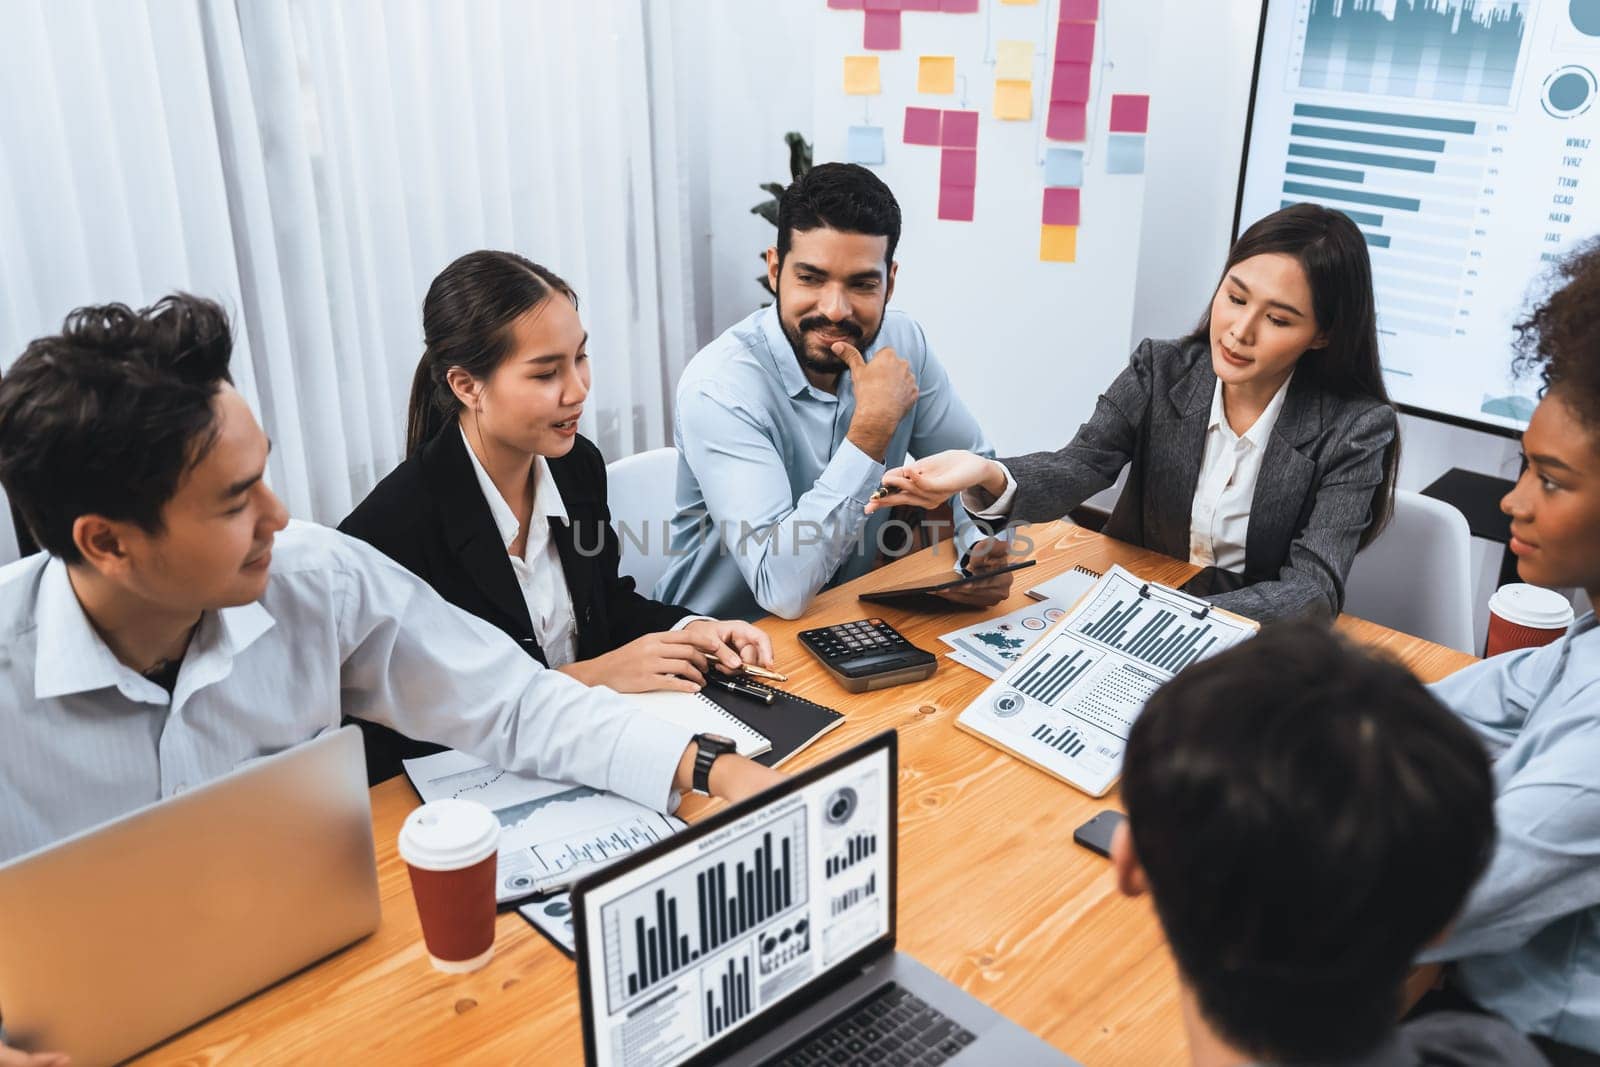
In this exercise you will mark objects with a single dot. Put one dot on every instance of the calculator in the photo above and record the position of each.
(868, 654)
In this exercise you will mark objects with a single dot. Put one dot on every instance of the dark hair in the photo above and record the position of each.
(1333, 253)
(1308, 817)
(105, 417)
(467, 320)
(841, 196)
(1560, 338)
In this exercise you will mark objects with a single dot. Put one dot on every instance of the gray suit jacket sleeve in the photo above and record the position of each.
(1050, 484)
(1311, 580)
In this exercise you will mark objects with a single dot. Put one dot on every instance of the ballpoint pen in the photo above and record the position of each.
(745, 689)
(755, 671)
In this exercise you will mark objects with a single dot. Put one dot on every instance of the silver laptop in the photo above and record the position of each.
(120, 936)
(766, 933)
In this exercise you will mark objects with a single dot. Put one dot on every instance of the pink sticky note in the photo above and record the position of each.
(884, 5)
(1070, 82)
(1074, 42)
(955, 203)
(1079, 10)
(1130, 113)
(920, 5)
(883, 31)
(958, 166)
(960, 129)
(922, 125)
(959, 7)
(846, 5)
(1067, 122)
(1061, 207)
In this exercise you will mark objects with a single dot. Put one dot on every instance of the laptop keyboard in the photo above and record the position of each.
(893, 1026)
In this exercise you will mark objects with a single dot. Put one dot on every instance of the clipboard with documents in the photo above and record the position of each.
(1066, 707)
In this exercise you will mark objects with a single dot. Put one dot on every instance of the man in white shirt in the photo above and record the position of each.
(176, 628)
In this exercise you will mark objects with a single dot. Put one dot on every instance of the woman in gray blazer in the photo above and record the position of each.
(1262, 446)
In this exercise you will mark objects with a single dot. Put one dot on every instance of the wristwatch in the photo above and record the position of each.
(707, 747)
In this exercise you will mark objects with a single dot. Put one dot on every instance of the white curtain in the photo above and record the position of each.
(314, 163)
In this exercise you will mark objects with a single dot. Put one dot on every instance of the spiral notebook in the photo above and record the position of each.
(767, 733)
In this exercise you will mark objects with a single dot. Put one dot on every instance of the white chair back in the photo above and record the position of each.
(640, 492)
(1417, 576)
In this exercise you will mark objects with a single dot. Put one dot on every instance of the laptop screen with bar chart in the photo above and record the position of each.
(690, 942)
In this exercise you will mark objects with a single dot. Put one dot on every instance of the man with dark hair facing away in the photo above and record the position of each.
(1306, 817)
(786, 423)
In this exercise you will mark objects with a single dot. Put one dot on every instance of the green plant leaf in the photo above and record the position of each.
(777, 190)
(768, 211)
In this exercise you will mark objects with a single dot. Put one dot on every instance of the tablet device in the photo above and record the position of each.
(923, 597)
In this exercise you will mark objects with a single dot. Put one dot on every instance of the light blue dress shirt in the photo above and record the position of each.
(341, 630)
(1528, 940)
(770, 493)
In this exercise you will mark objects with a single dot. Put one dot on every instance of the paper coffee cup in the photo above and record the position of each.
(1525, 616)
(450, 848)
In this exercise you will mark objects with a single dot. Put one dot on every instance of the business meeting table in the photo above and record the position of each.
(993, 893)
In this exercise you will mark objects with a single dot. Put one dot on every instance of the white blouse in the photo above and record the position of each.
(538, 570)
(1219, 520)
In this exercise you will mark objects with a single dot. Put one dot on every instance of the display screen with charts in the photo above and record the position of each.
(1456, 133)
(699, 941)
(1066, 706)
(551, 833)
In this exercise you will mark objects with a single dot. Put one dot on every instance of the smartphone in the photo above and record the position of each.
(1095, 835)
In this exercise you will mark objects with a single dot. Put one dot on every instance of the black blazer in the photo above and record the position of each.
(430, 516)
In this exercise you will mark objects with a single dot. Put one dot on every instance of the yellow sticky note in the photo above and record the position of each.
(1020, 3)
(861, 75)
(1013, 100)
(936, 74)
(1014, 60)
(1058, 244)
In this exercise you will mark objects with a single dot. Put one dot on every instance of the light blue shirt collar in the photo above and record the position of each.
(72, 658)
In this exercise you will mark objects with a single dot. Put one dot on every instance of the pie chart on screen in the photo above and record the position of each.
(1585, 15)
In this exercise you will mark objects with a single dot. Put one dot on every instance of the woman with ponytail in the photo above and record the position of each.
(500, 504)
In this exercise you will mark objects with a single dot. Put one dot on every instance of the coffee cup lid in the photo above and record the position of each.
(446, 835)
(1531, 605)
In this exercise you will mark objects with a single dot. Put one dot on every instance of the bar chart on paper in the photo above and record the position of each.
(1067, 705)
(667, 927)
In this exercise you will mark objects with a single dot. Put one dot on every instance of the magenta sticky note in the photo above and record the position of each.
(1074, 42)
(883, 31)
(959, 7)
(1061, 207)
(958, 166)
(922, 125)
(1130, 113)
(1079, 10)
(960, 129)
(846, 5)
(884, 5)
(1067, 122)
(955, 203)
(1070, 82)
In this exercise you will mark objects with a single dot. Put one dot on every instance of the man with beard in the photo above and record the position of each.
(786, 423)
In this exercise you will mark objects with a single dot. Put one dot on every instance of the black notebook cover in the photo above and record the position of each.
(789, 722)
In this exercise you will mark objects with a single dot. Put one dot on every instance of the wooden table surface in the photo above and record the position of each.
(993, 893)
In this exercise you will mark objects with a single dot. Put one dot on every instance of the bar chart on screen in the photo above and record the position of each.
(669, 926)
(1455, 134)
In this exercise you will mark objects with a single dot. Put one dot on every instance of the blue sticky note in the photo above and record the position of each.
(1063, 167)
(866, 145)
(1125, 153)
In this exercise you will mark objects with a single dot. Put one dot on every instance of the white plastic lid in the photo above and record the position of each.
(447, 835)
(1531, 605)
